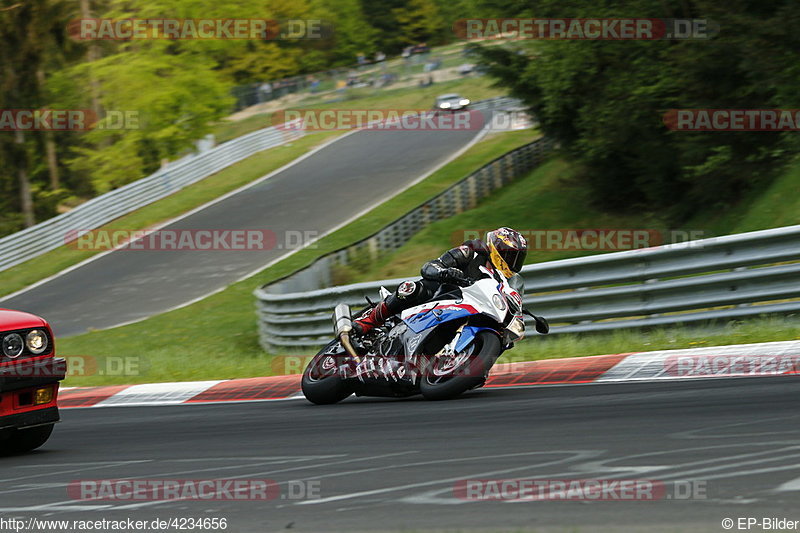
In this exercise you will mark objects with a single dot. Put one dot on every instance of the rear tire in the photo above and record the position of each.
(25, 440)
(323, 386)
(487, 348)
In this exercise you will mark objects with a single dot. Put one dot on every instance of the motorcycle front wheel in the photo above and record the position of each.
(321, 384)
(447, 377)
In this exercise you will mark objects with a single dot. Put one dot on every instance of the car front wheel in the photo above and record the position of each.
(25, 440)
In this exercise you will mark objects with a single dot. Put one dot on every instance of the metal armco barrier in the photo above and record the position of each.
(52, 233)
(720, 278)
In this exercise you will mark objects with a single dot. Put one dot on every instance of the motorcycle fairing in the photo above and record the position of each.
(420, 320)
(468, 334)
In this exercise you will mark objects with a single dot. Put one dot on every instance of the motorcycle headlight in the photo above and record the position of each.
(36, 341)
(516, 329)
(498, 302)
(13, 345)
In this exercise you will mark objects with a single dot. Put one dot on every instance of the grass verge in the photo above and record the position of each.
(774, 206)
(551, 197)
(554, 199)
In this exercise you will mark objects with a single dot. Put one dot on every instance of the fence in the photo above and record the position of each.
(720, 278)
(50, 234)
(372, 73)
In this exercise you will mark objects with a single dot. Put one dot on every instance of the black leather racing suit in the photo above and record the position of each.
(454, 266)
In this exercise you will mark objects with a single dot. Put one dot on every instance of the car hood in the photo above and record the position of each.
(10, 319)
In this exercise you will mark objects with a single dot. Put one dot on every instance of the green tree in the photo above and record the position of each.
(30, 34)
(381, 16)
(173, 99)
(420, 21)
(604, 101)
(353, 33)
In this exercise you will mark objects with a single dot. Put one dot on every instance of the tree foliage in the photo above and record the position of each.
(604, 100)
(176, 89)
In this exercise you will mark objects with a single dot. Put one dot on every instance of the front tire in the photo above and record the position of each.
(468, 375)
(321, 384)
(26, 440)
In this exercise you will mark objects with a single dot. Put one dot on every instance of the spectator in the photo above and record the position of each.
(431, 65)
(380, 58)
(426, 82)
(341, 87)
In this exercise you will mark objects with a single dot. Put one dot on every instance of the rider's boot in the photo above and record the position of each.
(408, 294)
(376, 317)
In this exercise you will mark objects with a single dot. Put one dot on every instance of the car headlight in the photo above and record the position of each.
(13, 345)
(445, 105)
(36, 341)
(464, 101)
(498, 302)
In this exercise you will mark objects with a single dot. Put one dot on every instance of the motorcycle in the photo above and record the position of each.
(465, 328)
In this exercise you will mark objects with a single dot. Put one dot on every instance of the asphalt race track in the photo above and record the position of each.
(316, 195)
(391, 465)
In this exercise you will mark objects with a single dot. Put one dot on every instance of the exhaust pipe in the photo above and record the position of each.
(343, 326)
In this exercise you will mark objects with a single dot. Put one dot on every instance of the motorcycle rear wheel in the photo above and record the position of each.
(471, 373)
(321, 385)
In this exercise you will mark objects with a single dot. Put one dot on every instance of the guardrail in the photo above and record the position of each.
(720, 278)
(52, 233)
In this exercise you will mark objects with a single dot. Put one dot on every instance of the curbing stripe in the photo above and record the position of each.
(738, 360)
(238, 390)
(552, 371)
(87, 396)
(715, 362)
(158, 393)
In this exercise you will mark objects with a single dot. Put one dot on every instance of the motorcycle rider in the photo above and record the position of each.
(504, 249)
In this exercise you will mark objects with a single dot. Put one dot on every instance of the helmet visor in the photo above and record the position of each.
(514, 258)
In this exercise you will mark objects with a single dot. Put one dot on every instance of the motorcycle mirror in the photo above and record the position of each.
(541, 325)
(540, 322)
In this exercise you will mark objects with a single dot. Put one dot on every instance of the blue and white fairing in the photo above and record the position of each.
(487, 296)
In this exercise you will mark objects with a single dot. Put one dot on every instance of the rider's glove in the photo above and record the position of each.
(455, 275)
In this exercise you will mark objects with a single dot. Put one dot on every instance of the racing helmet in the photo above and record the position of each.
(507, 250)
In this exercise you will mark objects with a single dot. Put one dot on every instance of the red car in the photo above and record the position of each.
(29, 377)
